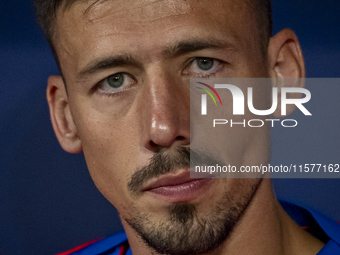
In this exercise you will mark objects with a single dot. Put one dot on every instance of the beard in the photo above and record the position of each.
(186, 229)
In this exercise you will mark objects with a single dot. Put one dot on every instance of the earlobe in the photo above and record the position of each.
(287, 64)
(61, 116)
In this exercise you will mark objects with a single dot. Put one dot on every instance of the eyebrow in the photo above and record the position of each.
(108, 62)
(184, 47)
(179, 48)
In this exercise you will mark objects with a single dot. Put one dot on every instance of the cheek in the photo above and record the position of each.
(111, 150)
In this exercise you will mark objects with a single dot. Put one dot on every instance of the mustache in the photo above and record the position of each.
(163, 163)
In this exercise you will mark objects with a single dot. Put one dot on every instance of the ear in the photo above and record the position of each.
(286, 61)
(61, 116)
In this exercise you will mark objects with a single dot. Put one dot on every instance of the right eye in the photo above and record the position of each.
(115, 83)
(203, 67)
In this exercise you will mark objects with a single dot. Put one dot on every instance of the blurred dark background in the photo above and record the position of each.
(48, 203)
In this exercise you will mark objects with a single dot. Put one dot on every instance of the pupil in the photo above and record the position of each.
(205, 63)
(115, 81)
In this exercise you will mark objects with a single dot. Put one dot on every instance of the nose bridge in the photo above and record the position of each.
(166, 114)
(163, 97)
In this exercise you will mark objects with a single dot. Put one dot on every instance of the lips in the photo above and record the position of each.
(177, 188)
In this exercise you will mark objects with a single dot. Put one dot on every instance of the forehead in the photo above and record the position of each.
(147, 10)
(87, 27)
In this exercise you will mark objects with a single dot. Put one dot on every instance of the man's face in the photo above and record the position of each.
(127, 65)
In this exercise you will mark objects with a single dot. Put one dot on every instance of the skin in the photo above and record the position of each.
(120, 132)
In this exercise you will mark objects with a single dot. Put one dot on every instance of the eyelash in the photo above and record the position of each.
(203, 74)
(97, 88)
(217, 69)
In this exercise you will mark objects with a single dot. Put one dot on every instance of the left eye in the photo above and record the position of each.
(116, 82)
(205, 64)
(203, 67)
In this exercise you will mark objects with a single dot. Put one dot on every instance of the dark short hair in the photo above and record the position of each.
(46, 13)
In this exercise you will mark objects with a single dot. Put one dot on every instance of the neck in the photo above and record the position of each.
(265, 228)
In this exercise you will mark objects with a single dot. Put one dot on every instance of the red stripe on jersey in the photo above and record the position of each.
(79, 247)
(123, 250)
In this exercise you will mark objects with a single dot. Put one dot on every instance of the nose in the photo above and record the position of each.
(165, 112)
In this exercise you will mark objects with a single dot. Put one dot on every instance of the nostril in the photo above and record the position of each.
(153, 144)
(180, 138)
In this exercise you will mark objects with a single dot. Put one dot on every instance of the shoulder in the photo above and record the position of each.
(115, 244)
(317, 224)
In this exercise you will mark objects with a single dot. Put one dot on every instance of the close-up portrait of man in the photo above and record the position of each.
(122, 100)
